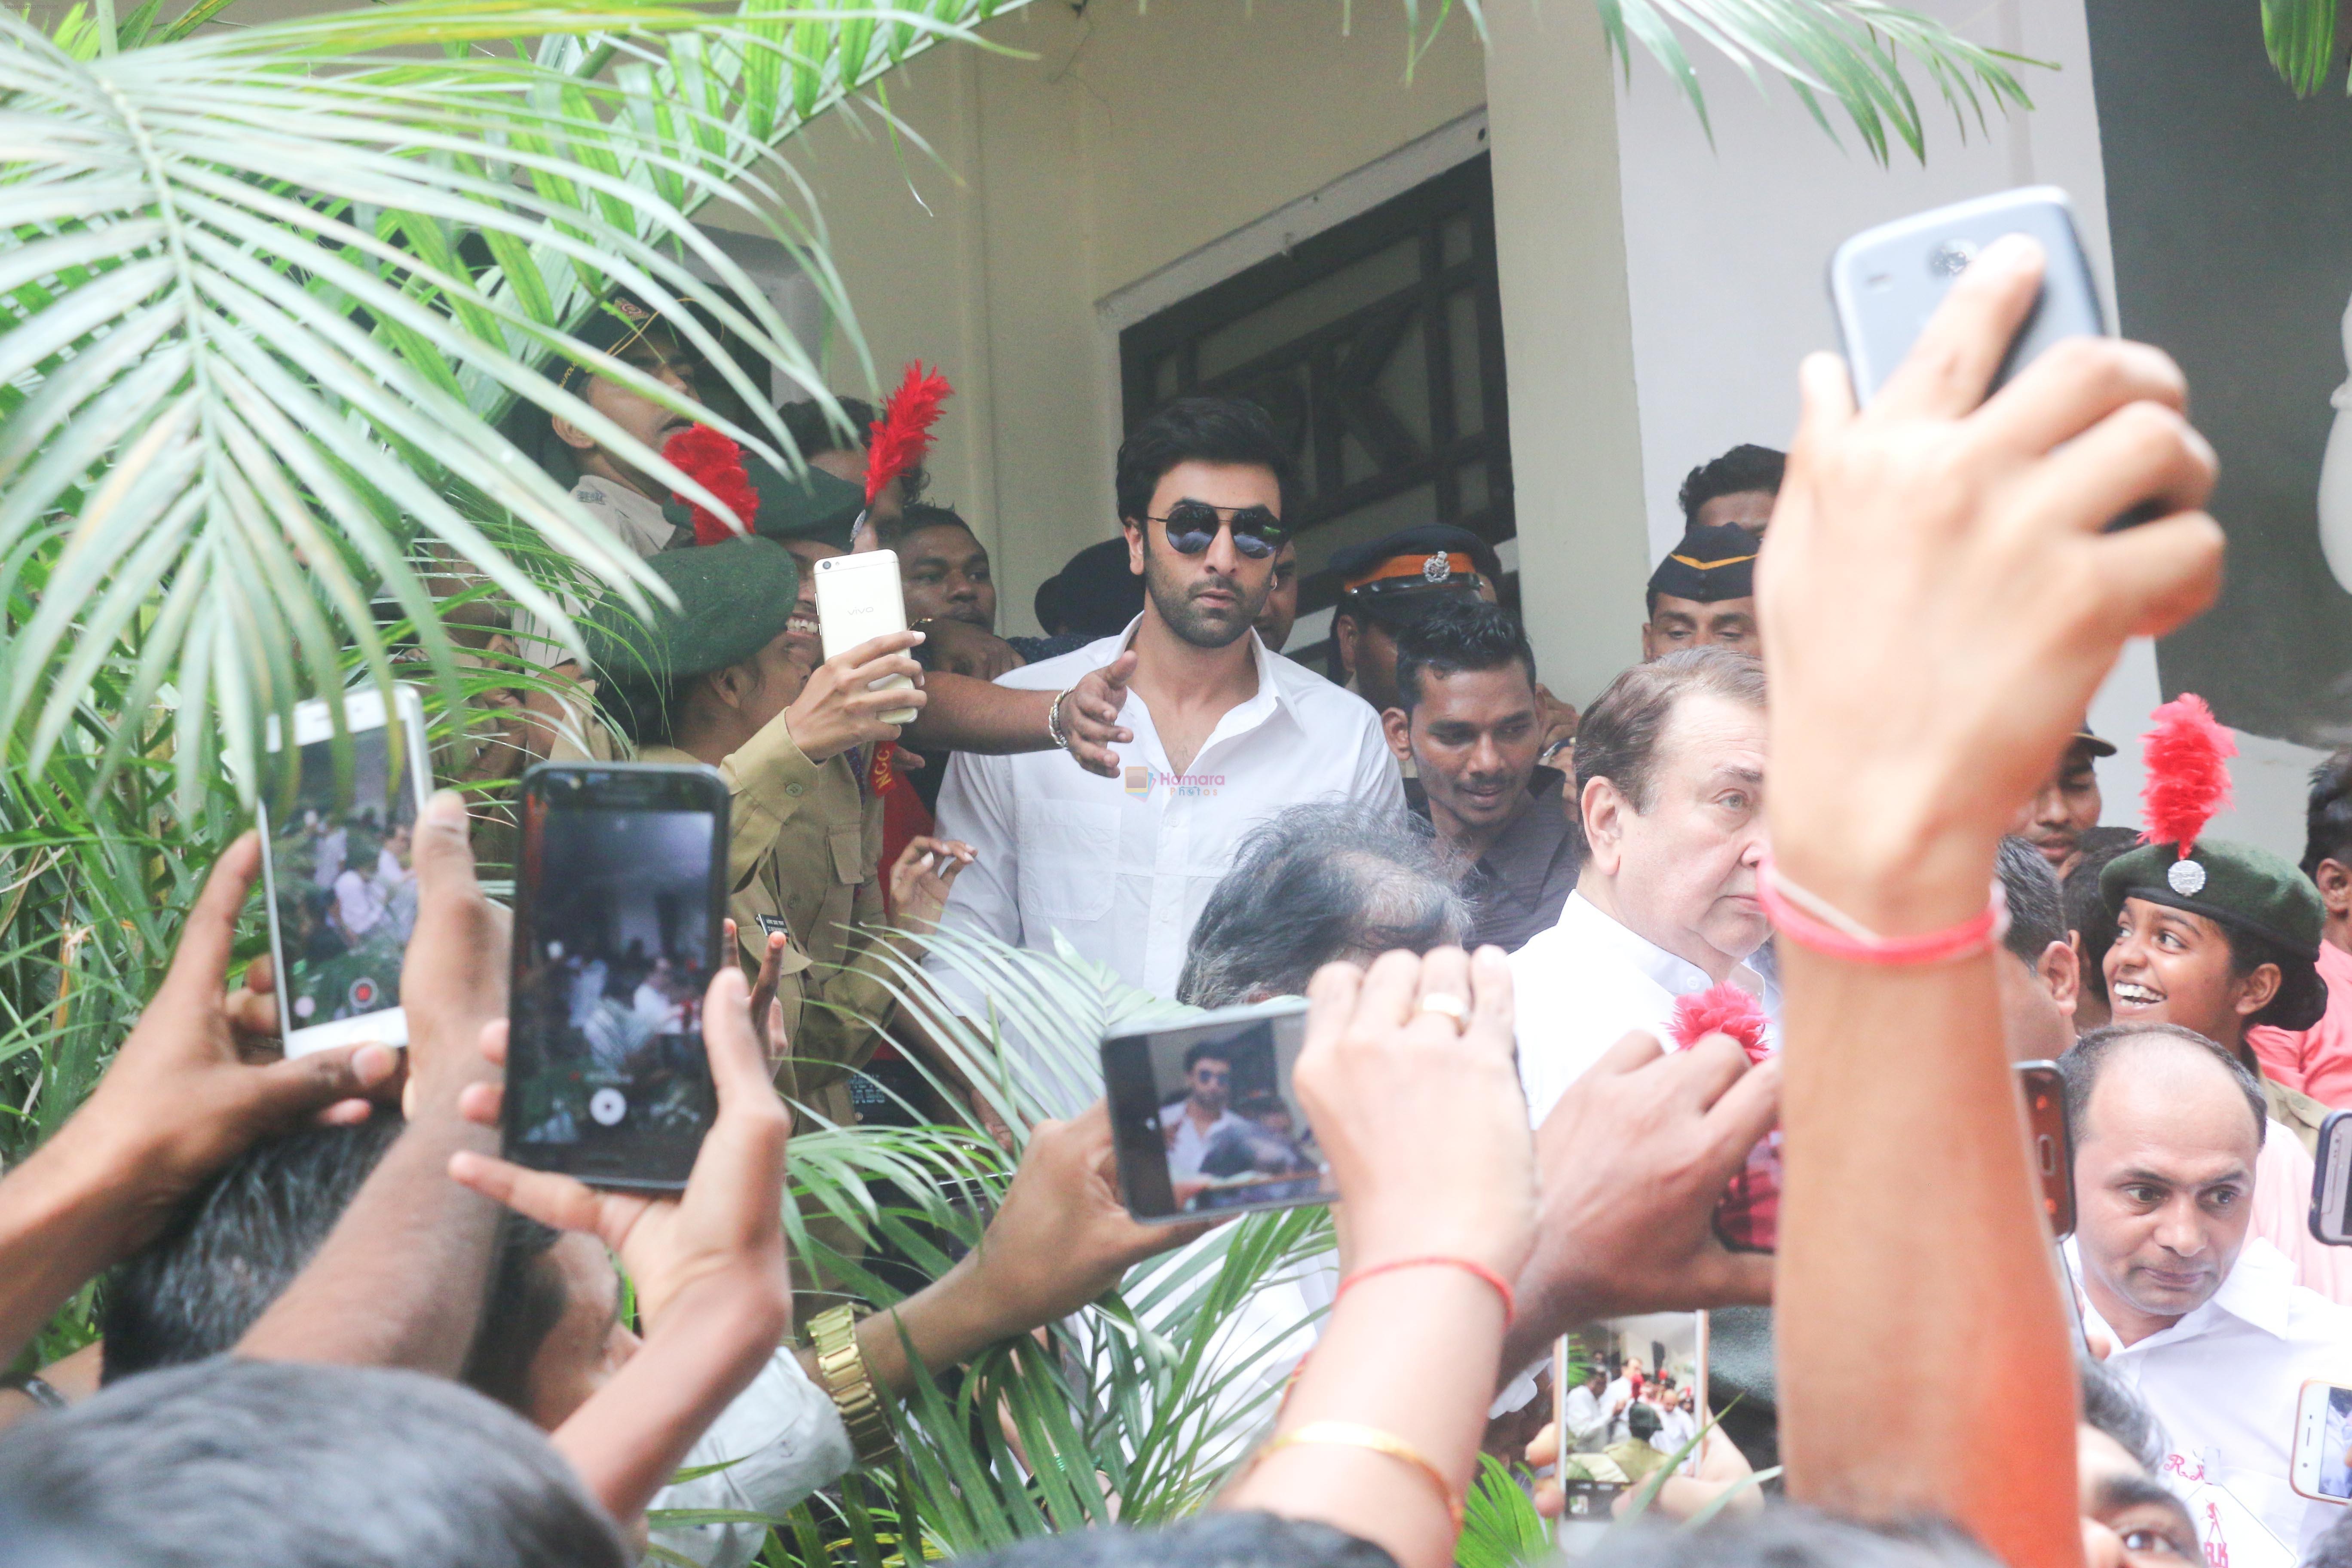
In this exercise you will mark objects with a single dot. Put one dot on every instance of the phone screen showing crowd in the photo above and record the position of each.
(1210, 1108)
(607, 1077)
(342, 869)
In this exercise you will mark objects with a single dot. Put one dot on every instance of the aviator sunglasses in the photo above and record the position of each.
(1192, 524)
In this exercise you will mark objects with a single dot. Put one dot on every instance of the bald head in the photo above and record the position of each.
(2166, 1128)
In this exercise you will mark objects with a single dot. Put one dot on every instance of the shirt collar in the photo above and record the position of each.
(620, 497)
(1270, 694)
(2259, 1288)
(2259, 1291)
(1583, 922)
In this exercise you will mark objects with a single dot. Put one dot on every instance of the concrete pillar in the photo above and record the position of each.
(1576, 437)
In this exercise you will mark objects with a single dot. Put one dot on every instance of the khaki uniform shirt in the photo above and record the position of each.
(804, 846)
(2296, 1111)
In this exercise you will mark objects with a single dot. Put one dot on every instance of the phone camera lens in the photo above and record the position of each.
(1951, 259)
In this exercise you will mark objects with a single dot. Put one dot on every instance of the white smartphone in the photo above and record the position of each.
(339, 873)
(858, 598)
(2322, 1469)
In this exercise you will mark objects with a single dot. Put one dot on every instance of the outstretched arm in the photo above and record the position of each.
(971, 715)
(399, 1280)
(710, 1269)
(1938, 602)
(1427, 1136)
(179, 1101)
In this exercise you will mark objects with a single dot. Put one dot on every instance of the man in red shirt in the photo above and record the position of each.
(2318, 1061)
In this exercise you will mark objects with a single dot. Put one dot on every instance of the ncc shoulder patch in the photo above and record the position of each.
(775, 925)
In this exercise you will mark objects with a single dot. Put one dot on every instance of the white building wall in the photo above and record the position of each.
(1725, 255)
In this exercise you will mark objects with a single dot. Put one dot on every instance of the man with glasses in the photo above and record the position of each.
(1227, 732)
(1193, 1122)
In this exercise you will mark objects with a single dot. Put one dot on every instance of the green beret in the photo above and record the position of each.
(1709, 565)
(733, 599)
(817, 506)
(2246, 889)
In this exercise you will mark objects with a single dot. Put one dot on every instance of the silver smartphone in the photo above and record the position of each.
(1204, 1116)
(859, 598)
(1886, 281)
(337, 871)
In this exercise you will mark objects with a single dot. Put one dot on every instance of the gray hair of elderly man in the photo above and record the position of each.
(1314, 884)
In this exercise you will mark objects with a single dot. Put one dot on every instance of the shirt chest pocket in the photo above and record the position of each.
(848, 844)
(1069, 859)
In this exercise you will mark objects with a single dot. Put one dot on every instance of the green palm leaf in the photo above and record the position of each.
(1849, 50)
(242, 352)
(2301, 36)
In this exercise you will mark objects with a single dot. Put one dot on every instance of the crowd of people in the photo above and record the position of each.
(338, 1328)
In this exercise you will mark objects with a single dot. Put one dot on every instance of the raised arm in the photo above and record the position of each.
(399, 1280)
(712, 1281)
(1061, 1240)
(1938, 603)
(180, 1100)
(1427, 1136)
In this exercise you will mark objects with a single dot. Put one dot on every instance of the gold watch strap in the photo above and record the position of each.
(841, 1366)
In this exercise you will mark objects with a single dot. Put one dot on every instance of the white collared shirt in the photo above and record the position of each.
(1587, 982)
(1587, 1420)
(1188, 1142)
(2222, 1381)
(1121, 867)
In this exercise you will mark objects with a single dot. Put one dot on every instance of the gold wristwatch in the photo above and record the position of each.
(842, 1368)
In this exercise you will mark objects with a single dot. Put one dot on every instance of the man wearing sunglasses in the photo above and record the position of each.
(1226, 732)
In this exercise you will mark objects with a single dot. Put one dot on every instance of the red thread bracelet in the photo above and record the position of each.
(1811, 921)
(1502, 1286)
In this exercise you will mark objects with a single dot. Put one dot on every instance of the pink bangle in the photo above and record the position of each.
(1502, 1286)
(1811, 921)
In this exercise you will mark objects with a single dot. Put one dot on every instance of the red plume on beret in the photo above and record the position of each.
(903, 434)
(715, 463)
(2187, 756)
(1724, 1010)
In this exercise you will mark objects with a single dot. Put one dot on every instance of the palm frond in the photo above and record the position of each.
(2301, 37)
(269, 285)
(1851, 51)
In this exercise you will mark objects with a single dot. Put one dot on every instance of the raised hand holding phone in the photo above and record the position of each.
(859, 598)
(711, 1275)
(1938, 600)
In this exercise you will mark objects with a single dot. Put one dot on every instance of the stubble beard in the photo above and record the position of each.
(1173, 602)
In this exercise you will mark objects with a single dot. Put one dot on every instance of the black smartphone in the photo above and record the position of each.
(618, 902)
(2044, 1093)
(2331, 1177)
(1204, 1116)
(1886, 281)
